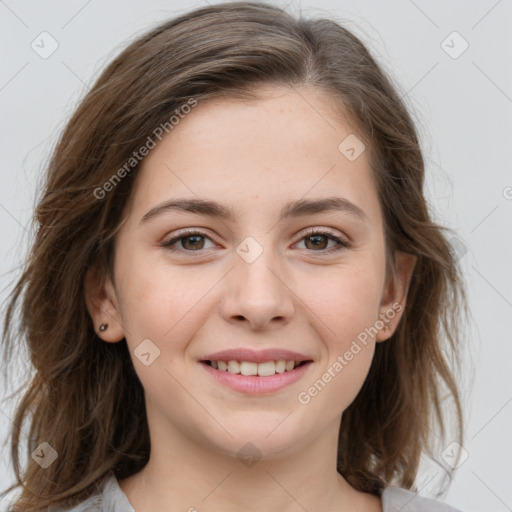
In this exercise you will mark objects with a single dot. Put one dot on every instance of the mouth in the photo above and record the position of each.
(251, 368)
(252, 378)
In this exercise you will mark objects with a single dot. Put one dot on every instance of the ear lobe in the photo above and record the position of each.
(394, 296)
(101, 302)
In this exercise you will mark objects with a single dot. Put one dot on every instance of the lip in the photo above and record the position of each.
(256, 356)
(253, 384)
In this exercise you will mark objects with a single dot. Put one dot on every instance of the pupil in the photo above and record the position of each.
(317, 243)
(193, 246)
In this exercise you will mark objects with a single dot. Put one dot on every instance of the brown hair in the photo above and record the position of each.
(84, 396)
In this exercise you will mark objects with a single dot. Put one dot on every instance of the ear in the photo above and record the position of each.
(394, 295)
(101, 302)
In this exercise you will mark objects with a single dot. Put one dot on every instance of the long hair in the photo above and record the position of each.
(84, 398)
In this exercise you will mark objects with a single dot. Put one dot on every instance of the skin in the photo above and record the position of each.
(253, 157)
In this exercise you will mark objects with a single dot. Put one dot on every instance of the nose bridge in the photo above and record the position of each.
(256, 290)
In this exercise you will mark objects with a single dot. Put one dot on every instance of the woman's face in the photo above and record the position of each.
(266, 275)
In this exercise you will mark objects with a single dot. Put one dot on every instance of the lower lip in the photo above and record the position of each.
(255, 385)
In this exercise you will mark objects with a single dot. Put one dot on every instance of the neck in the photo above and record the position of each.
(187, 475)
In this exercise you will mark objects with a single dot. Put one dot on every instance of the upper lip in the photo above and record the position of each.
(256, 356)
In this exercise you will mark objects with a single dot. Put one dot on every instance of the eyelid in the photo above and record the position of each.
(341, 240)
(184, 233)
(326, 231)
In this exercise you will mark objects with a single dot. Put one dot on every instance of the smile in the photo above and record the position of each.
(256, 378)
(265, 369)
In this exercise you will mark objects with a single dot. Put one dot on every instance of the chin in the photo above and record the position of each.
(263, 441)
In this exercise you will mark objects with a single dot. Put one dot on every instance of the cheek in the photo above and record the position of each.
(348, 354)
(162, 303)
(345, 299)
(345, 302)
(335, 386)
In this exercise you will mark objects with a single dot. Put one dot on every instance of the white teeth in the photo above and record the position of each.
(280, 366)
(266, 369)
(247, 368)
(233, 367)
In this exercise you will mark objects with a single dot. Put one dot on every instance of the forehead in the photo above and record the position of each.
(286, 145)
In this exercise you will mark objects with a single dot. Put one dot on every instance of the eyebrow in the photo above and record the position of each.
(291, 210)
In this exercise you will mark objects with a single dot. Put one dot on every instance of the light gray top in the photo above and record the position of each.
(394, 499)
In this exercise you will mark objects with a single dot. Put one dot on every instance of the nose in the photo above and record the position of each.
(257, 293)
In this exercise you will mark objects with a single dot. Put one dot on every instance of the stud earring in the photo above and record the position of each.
(103, 327)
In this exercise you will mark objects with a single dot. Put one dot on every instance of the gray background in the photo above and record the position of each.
(462, 104)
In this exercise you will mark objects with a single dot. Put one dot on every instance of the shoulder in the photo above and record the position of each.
(92, 504)
(110, 498)
(395, 499)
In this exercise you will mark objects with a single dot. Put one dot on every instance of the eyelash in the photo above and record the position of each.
(342, 243)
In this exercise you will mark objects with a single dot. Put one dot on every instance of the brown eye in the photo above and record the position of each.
(317, 241)
(191, 241)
